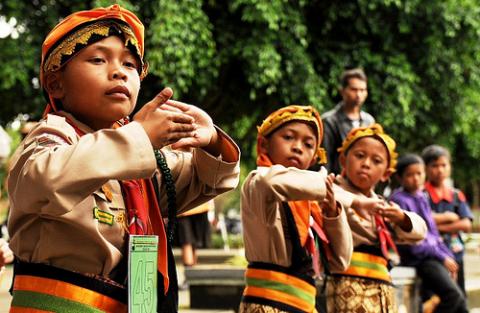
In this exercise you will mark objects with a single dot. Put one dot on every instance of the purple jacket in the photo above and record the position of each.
(432, 246)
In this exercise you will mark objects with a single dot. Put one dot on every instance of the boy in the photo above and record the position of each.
(451, 211)
(368, 157)
(281, 212)
(85, 178)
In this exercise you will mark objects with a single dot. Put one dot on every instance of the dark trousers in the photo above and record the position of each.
(461, 277)
(436, 279)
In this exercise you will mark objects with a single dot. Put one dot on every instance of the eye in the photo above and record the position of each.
(287, 137)
(359, 155)
(309, 145)
(96, 60)
(130, 64)
(377, 161)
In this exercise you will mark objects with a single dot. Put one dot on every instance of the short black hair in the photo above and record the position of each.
(405, 161)
(352, 73)
(434, 152)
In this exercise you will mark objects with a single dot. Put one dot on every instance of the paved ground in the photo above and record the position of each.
(472, 261)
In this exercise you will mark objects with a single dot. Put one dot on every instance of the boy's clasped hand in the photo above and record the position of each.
(169, 122)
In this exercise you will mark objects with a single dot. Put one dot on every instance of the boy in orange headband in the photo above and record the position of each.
(286, 231)
(85, 177)
(367, 157)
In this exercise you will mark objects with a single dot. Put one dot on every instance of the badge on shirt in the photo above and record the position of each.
(102, 216)
(142, 274)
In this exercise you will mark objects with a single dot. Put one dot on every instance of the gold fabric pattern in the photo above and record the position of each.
(257, 308)
(82, 36)
(357, 295)
(376, 131)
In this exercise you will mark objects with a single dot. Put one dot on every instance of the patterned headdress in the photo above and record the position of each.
(83, 28)
(295, 113)
(377, 132)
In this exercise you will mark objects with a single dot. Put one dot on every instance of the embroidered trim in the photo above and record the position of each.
(68, 46)
(102, 216)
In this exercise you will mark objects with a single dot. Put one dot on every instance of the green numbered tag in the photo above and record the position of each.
(142, 274)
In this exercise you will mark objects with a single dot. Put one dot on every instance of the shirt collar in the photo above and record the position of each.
(438, 195)
(344, 117)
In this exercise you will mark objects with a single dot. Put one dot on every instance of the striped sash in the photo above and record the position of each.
(279, 289)
(44, 293)
(368, 266)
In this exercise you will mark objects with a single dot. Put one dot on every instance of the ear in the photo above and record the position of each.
(263, 145)
(386, 175)
(54, 86)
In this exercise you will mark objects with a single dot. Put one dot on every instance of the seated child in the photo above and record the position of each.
(367, 157)
(433, 260)
(281, 211)
(85, 178)
(450, 208)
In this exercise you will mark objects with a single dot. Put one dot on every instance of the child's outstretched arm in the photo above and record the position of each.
(164, 127)
(337, 229)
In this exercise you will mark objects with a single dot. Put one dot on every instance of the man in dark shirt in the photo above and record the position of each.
(346, 115)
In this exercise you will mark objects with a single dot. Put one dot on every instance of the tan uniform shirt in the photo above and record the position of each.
(364, 230)
(263, 218)
(56, 180)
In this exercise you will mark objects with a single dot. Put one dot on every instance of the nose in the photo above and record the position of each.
(117, 72)
(366, 162)
(297, 147)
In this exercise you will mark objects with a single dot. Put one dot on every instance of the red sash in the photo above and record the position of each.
(387, 245)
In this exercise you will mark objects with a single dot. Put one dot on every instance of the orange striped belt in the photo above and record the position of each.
(278, 289)
(40, 294)
(368, 266)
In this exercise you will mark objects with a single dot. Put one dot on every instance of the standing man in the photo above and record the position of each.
(346, 115)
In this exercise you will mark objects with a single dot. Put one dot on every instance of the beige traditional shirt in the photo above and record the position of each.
(363, 226)
(55, 184)
(264, 222)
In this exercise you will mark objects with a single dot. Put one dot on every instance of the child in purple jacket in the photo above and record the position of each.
(433, 260)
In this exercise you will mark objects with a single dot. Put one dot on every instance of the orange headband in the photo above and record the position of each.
(295, 113)
(377, 132)
(78, 28)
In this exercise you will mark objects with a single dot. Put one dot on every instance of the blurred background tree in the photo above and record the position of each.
(241, 59)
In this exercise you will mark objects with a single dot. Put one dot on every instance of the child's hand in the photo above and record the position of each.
(392, 213)
(6, 255)
(205, 132)
(369, 205)
(329, 205)
(164, 127)
(452, 267)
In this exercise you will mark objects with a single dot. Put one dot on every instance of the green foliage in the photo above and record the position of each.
(182, 49)
(242, 59)
(235, 241)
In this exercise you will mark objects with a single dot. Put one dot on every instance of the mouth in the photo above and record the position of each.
(295, 161)
(363, 174)
(119, 91)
